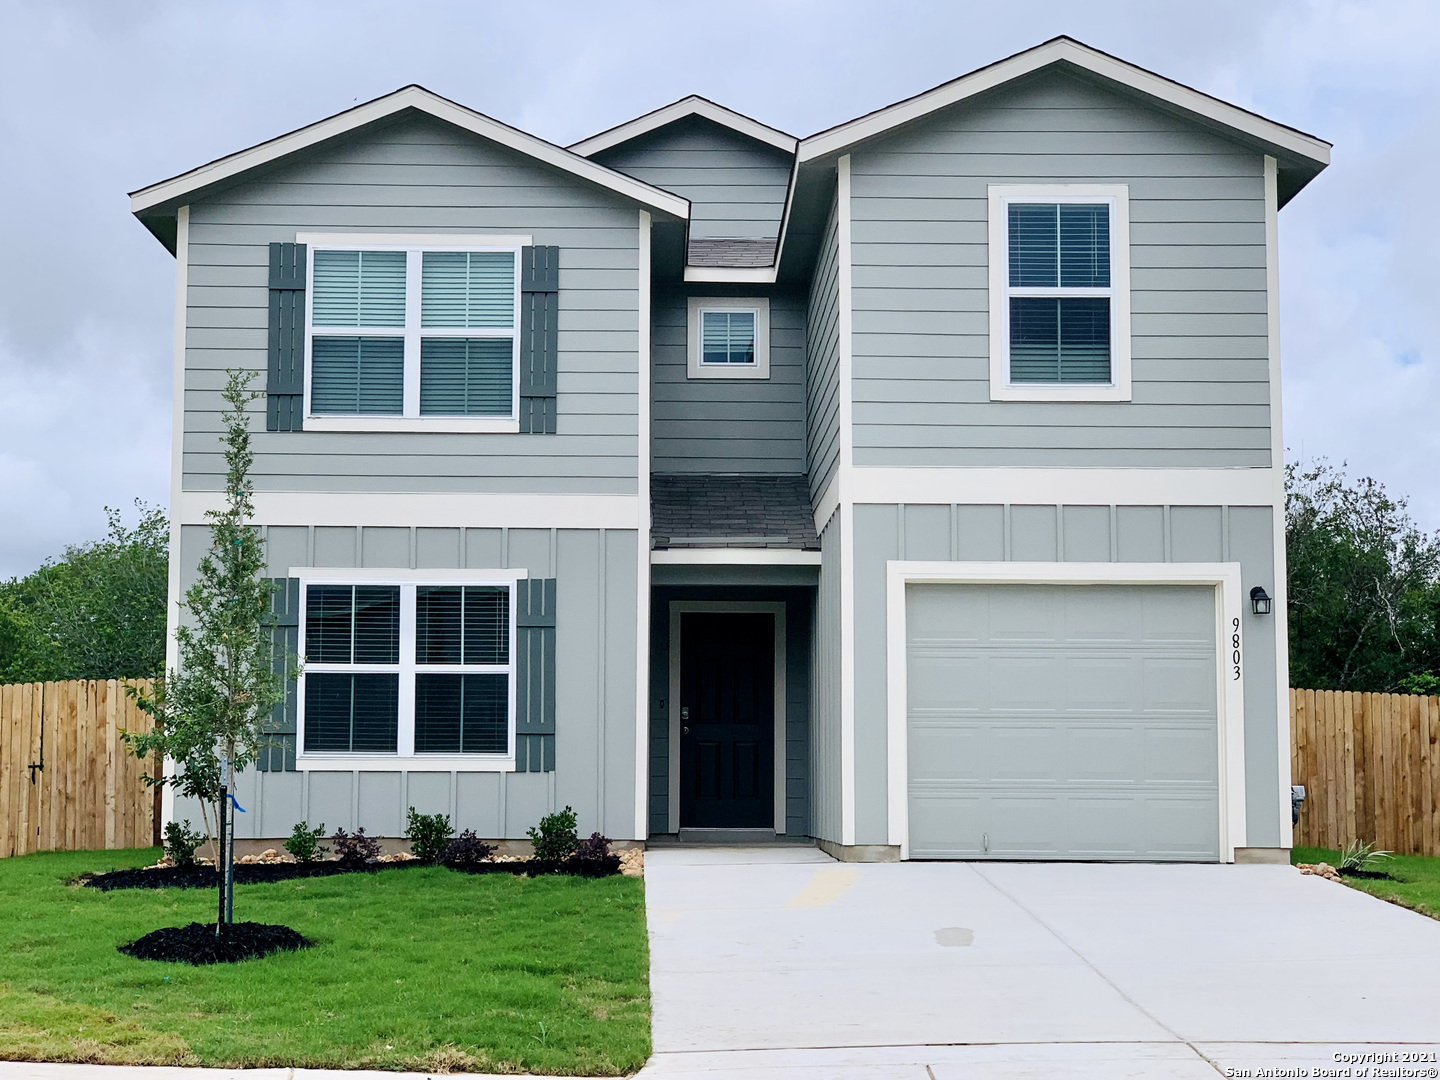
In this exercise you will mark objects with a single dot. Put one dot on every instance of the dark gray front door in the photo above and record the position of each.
(727, 720)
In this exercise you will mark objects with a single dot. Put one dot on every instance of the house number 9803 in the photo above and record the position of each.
(1235, 647)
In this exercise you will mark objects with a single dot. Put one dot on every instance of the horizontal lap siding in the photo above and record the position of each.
(823, 388)
(736, 186)
(728, 425)
(421, 176)
(921, 300)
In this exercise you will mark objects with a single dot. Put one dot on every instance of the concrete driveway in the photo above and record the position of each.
(781, 963)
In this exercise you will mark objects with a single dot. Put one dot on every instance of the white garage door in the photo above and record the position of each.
(1062, 722)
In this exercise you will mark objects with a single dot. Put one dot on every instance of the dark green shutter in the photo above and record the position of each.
(535, 675)
(277, 754)
(285, 382)
(539, 313)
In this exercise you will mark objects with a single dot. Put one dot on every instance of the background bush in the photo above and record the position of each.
(304, 842)
(554, 838)
(428, 834)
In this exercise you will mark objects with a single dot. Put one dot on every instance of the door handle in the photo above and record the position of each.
(685, 712)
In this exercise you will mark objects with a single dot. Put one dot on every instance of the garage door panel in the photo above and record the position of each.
(948, 750)
(946, 679)
(1063, 722)
(1180, 684)
(946, 825)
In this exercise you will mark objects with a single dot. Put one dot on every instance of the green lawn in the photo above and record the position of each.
(422, 969)
(1416, 885)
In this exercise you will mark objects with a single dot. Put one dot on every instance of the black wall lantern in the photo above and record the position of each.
(1259, 600)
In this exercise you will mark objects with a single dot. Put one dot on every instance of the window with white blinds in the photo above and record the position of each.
(401, 333)
(729, 339)
(1059, 277)
(408, 669)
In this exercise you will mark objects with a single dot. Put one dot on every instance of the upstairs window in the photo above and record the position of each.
(1059, 282)
(729, 339)
(410, 337)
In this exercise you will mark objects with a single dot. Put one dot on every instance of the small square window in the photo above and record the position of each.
(728, 339)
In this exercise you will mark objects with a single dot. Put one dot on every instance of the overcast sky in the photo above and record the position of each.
(97, 99)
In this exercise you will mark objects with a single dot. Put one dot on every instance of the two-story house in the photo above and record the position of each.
(915, 486)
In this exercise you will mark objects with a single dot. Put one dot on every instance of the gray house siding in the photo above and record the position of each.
(736, 186)
(728, 425)
(1063, 533)
(822, 402)
(825, 799)
(595, 706)
(799, 606)
(419, 175)
(1197, 231)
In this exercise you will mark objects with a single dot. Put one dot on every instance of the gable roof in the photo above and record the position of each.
(1065, 51)
(155, 204)
(694, 105)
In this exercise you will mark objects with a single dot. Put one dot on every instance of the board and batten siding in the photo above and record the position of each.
(1055, 533)
(727, 425)
(921, 303)
(419, 175)
(736, 185)
(595, 710)
(822, 394)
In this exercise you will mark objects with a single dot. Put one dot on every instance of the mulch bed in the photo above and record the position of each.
(199, 944)
(207, 877)
(1368, 875)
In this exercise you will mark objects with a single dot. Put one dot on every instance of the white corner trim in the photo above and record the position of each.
(734, 557)
(742, 275)
(827, 503)
(696, 368)
(844, 475)
(1281, 591)
(359, 575)
(693, 105)
(433, 509)
(177, 469)
(1117, 198)
(837, 139)
(776, 608)
(1229, 675)
(422, 100)
(1066, 486)
(642, 542)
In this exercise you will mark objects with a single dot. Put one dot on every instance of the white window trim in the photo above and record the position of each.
(406, 755)
(696, 368)
(1118, 198)
(414, 246)
(1224, 578)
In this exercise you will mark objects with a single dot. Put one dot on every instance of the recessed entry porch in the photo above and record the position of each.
(735, 564)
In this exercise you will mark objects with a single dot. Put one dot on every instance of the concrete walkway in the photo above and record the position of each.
(782, 964)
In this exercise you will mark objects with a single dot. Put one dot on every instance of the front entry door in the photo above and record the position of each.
(727, 720)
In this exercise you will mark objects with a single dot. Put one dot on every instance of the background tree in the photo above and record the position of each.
(1364, 586)
(210, 711)
(96, 613)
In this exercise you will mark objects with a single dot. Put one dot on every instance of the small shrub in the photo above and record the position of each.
(304, 842)
(554, 838)
(428, 834)
(181, 841)
(1358, 858)
(466, 850)
(355, 849)
(596, 847)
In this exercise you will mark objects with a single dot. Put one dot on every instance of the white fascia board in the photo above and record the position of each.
(410, 97)
(1071, 486)
(693, 105)
(747, 275)
(734, 557)
(837, 139)
(435, 509)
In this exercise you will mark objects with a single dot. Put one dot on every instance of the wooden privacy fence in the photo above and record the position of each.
(1370, 764)
(67, 781)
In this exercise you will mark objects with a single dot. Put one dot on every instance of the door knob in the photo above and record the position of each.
(684, 731)
(685, 712)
